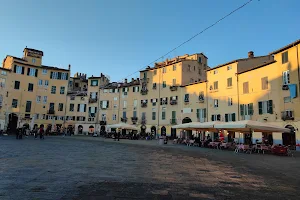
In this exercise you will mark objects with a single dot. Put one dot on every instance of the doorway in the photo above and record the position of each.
(13, 123)
(153, 131)
(173, 133)
(80, 129)
(289, 138)
(163, 131)
(188, 132)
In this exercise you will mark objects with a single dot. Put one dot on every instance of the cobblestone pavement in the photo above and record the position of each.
(92, 168)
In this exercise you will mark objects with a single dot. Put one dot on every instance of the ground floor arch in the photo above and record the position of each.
(12, 123)
(187, 134)
(289, 138)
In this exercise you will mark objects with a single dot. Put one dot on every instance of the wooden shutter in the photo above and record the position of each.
(28, 71)
(197, 113)
(15, 68)
(84, 108)
(67, 76)
(90, 109)
(59, 75)
(95, 109)
(212, 118)
(250, 108)
(242, 110)
(107, 104)
(270, 106)
(23, 70)
(260, 109)
(78, 107)
(219, 117)
(226, 117)
(51, 75)
(36, 72)
(233, 117)
(204, 112)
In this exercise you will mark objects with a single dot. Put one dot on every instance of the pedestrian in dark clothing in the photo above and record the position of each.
(41, 132)
(118, 135)
(17, 133)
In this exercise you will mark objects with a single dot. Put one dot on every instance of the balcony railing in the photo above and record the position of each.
(287, 115)
(173, 121)
(51, 112)
(134, 120)
(93, 100)
(173, 102)
(173, 87)
(124, 119)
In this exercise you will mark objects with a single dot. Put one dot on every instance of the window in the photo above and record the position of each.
(230, 117)
(145, 75)
(216, 85)
(38, 99)
(93, 111)
(285, 57)
(174, 81)
(200, 60)
(229, 101)
(115, 105)
(14, 103)
(115, 98)
(265, 107)
(199, 71)
(81, 107)
(94, 82)
(286, 77)
(163, 114)
(287, 99)
(229, 82)
(2, 82)
(216, 103)
(17, 85)
(104, 104)
(194, 68)
(135, 103)
(245, 87)
(45, 99)
(53, 90)
(229, 67)
(71, 107)
(32, 72)
(216, 117)
(51, 106)
(1, 100)
(191, 80)
(124, 114)
(164, 70)
(40, 83)
(215, 71)
(19, 69)
(189, 68)
(174, 67)
(44, 71)
(54, 75)
(33, 60)
(264, 83)
(62, 90)
(201, 114)
(60, 107)
(46, 83)
(30, 87)
(164, 84)
(186, 97)
(114, 117)
(135, 89)
(64, 76)
(134, 114)
(124, 104)
(94, 95)
(153, 115)
(4, 73)
(155, 72)
(28, 106)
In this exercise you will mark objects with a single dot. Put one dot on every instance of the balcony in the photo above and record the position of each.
(173, 102)
(173, 88)
(93, 100)
(173, 121)
(134, 120)
(144, 92)
(287, 115)
(285, 87)
(124, 119)
(51, 112)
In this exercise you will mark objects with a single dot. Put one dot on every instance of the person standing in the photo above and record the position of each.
(41, 132)
(118, 135)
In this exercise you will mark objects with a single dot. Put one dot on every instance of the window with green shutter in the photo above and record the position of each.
(233, 117)
(250, 109)
(270, 107)
(163, 115)
(242, 109)
(226, 117)
(198, 113)
(153, 115)
(260, 108)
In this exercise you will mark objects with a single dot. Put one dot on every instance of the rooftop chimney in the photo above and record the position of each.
(125, 80)
(101, 75)
(132, 79)
(250, 54)
(79, 74)
(69, 67)
(138, 79)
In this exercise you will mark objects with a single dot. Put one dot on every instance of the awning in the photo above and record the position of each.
(249, 125)
(123, 126)
(207, 126)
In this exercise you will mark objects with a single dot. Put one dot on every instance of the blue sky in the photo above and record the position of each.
(119, 37)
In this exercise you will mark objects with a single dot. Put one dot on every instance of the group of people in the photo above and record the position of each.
(25, 131)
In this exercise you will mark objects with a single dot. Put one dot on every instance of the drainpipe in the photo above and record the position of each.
(238, 96)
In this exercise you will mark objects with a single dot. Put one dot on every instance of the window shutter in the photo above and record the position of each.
(107, 104)
(242, 109)
(204, 113)
(166, 100)
(90, 109)
(270, 106)
(28, 71)
(160, 101)
(51, 75)
(83, 119)
(78, 107)
(226, 117)
(95, 109)
(250, 108)
(73, 118)
(212, 118)
(67, 76)
(84, 108)
(15, 68)
(260, 110)
(197, 113)
(23, 70)
(233, 117)
(101, 103)
(138, 88)
(218, 117)
(123, 89)
(59, 75)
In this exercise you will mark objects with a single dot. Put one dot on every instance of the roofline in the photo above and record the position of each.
(234, 61)
(194, 83)
(259, 66)
(285, 47)
(1, 68)
(152, 68)
(42, 66)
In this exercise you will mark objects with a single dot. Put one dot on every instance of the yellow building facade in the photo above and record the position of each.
(5, 77)
(36, 92)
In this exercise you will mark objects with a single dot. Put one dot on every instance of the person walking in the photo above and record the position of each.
(41, 132)
(118, 135)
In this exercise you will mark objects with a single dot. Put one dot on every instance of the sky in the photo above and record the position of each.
(121, 37)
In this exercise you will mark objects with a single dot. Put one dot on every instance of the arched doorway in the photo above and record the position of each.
(153, 131)
(184, 121)
(173, 133)
(12, 123)
(163, 131)
(80, 129)
(289, 138)
(143, 130)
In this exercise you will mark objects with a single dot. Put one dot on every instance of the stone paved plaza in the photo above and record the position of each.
(96, 168)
